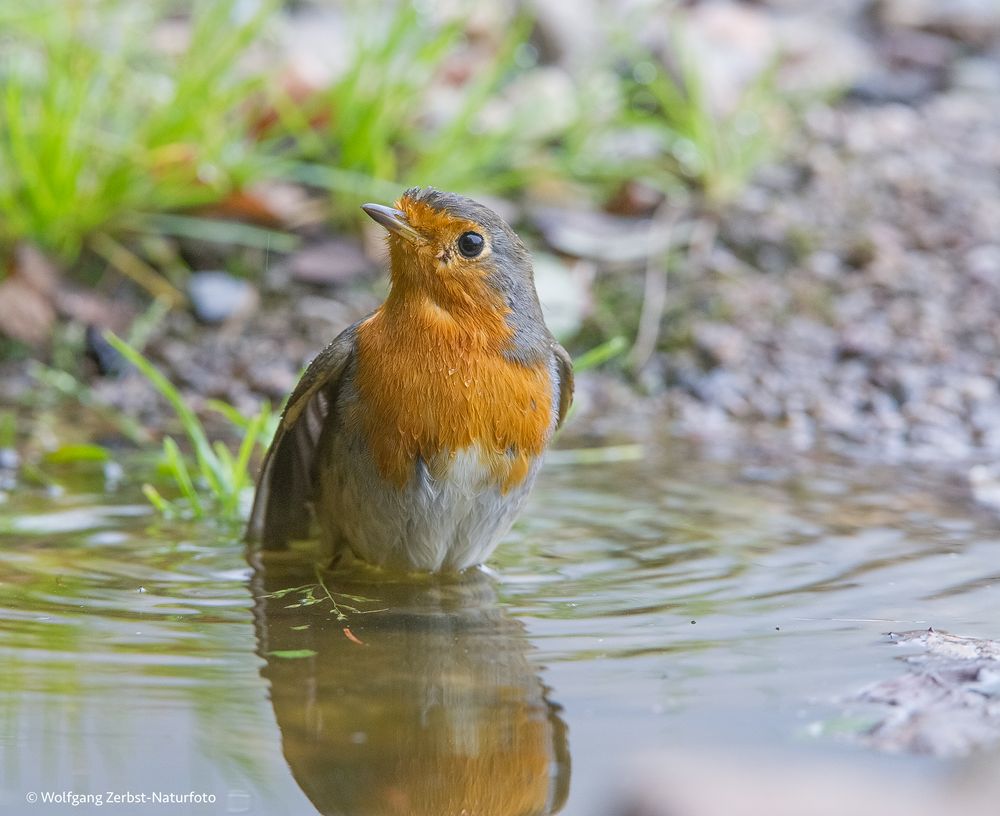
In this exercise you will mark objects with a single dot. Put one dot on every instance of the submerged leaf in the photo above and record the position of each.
(292, 654)
(78, 453)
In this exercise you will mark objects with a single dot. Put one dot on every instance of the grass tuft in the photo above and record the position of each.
(711, 150)
(377, 128)
(96, 124)
(219, 479)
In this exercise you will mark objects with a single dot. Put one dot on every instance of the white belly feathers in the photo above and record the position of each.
(449, 523)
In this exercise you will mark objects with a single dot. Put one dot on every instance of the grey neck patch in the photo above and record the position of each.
(515, 279)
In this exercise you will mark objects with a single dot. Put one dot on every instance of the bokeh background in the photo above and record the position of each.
(769, 234)
(776, 214)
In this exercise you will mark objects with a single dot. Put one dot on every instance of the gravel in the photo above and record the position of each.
(847, 299)
(865, 314)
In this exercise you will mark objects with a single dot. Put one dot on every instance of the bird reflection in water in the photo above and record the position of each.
(437, 710)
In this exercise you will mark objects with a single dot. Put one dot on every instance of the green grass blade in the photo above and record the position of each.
(230, 413)
(211, 230)
(156, 499)
(600, 354)
(182, 476)
(207, 461)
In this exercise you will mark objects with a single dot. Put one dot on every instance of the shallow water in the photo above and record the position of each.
(659, 604)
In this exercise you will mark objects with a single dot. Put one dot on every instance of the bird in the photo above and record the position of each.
(413, 440)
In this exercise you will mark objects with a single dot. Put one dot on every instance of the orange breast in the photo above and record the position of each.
(431, 387)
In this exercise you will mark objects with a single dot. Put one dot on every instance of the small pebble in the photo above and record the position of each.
(218, 296)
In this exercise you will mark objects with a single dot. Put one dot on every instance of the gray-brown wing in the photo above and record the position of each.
(285, 487)
(564, 367)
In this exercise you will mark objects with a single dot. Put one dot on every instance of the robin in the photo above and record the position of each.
(416, 435)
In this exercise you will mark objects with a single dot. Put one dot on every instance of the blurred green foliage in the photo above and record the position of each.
(95, 124)
(375, 130)
(116, 115)
(713, 151)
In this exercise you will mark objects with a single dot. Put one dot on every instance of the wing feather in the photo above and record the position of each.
(564, 365)
(285, 487)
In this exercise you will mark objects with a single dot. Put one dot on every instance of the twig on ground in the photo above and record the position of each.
(654, 300)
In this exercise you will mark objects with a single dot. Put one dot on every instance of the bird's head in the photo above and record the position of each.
(461, 258)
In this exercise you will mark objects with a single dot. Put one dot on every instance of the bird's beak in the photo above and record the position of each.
(393, 220)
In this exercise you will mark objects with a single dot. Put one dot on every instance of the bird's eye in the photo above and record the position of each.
(470, 244)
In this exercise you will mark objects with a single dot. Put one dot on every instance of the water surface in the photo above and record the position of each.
(660, 604)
